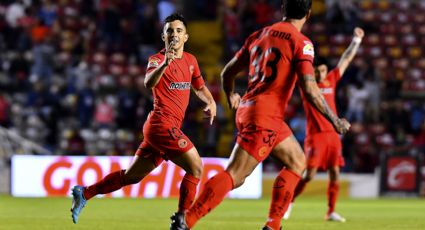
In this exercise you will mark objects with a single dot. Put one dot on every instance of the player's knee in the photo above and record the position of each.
(299, 163)
(196, 170)
(334, 177)
(237, 177)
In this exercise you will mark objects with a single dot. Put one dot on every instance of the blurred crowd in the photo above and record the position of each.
(71, 73)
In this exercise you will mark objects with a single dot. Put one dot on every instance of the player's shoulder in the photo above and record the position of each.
(304, 43)
(335, 72)
(159, 55)
(296, 36)
(190, 58)
(188, 55)
(155, 59)
(257, 34)
(302, 39)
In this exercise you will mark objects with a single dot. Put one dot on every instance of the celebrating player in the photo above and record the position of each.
(276, 55)
(170, 74)
(322, 145)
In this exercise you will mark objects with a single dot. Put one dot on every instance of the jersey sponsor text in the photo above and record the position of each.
(180, 85)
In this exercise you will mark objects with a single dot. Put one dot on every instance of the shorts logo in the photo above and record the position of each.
(182, 143)
(180, 85)
(262, 152)
(308, 49)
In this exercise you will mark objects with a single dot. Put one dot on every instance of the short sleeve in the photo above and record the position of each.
(304, 55)
(304, 50)
(304, 68)
(154, 61)
(197, 80)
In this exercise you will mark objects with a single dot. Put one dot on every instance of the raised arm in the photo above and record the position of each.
(205, 95)
(351, 51)
(314, 96)
(228, 75)
(152, 78)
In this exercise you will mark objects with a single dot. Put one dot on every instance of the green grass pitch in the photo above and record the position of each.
(308, 213)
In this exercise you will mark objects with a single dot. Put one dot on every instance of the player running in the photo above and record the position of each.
(170, 74)
(277, 56)
(322, 145)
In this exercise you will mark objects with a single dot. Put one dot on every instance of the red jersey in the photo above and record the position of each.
(316, 122)
(171, 94)
(275, 52)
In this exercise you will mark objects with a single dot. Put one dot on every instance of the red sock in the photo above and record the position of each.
(333, 190)
(213, 193)
(299, 189)
(109, 183)
(187, 192)
(283, 189)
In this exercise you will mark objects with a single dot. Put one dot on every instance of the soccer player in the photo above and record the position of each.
(322, 145)
(170, 74)
(277, 56)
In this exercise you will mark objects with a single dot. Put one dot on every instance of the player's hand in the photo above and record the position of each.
(233, 100)
(358, 32)
(211, 110)
(341, 125)
(170, 53)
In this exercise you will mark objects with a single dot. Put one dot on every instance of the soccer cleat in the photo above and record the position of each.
(288, 212)
(335, 217)
(78, 202)
(268, 228)
(178, 222)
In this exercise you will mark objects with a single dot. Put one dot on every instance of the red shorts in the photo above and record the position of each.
(258, 141)
(323, 150)
(162, 141)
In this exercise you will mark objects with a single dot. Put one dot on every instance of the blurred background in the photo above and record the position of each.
(72, 71)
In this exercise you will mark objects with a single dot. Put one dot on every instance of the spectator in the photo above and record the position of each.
(419, 139)
(263, 13)
(18, 72)
(4, 110)
(39, 31)
(48, 13)
(104, 116)
(42, 68)
(75, 145)
(127, 103)
(86, 104)
(165, 8)
(357, 97)
(374, 98)
(14, 12)
(342, 15)
(298, 126)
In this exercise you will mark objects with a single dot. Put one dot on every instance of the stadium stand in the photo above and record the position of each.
(71, 72)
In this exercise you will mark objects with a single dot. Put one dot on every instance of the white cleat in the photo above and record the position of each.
(335, 217)
(288, 211)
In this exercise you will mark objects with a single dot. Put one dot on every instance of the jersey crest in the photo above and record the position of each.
(308, 48)
(153, 62)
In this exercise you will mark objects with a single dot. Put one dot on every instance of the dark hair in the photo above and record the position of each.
(174, 17)
(296, 9)
(320, 61)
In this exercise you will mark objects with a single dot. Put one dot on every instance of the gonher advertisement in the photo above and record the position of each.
(44, 176)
